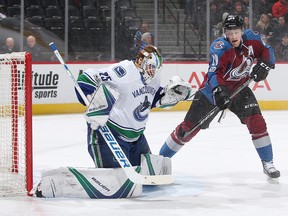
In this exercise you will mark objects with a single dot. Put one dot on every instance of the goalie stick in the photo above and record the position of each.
(112, 142)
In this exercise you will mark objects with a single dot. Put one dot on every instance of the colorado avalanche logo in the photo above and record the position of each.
(242, 70)
(219, 45)
(141, 108)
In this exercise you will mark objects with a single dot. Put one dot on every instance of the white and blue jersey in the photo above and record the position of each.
(130, 112)
(129, 115)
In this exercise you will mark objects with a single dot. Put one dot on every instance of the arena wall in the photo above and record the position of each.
(53, 90)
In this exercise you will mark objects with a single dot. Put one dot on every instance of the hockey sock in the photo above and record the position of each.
(264, 148)
(170, 147)
(265, 153)
(260, 137)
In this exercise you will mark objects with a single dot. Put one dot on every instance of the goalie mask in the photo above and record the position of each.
(149, 63)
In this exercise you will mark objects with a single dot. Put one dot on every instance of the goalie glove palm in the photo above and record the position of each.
(177, 90)
(260, 71)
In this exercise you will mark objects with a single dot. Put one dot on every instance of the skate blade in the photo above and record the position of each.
(273, 180)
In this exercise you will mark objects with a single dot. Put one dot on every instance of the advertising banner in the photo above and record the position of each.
(51, 85)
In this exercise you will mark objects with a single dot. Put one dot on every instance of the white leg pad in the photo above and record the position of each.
(98, 183)
(155, 165)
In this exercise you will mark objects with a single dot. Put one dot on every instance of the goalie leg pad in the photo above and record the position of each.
(91, 183)
(155, 165)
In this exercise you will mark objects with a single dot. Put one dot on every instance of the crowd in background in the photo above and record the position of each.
(30, 46)
(270, 18)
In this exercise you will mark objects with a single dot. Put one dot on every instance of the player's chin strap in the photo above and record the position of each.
(112, 142)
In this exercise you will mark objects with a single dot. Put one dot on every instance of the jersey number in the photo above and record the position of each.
(105, 76)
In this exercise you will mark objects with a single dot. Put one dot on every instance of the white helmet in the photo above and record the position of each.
(151, 63)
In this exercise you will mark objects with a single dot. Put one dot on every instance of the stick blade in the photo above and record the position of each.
(147, 179)
(158, 180)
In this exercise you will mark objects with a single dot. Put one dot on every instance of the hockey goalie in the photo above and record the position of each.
(120, 99)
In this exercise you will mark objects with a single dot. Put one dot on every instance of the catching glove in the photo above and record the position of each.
(221, 96)
(260, 71)
(177, 90)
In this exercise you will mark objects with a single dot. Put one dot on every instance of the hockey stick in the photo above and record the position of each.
(216, 109)
(112, 142)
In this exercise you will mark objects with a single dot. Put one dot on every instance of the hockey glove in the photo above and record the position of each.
(177, 90)
(260, 71)
(222, 98)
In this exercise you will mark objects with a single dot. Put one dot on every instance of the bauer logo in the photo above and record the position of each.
(114, 146)
(45, 85)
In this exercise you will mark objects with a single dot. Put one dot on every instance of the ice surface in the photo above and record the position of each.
(217, 173)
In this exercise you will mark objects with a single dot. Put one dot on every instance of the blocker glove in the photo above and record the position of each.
(260, 71)
(221, 96)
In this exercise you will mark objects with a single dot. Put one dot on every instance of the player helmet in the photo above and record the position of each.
(149, 61)
(233, 22)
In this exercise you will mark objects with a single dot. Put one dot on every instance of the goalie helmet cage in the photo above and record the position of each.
(16, 175)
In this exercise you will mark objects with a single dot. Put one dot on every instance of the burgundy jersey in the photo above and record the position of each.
(231, 66)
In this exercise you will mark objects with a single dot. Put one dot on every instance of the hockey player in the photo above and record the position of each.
(231, 58)
(135, 86)
(138, 84)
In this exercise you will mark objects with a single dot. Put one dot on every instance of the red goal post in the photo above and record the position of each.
(16, 168)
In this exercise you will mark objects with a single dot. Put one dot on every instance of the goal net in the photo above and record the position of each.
(15, 124)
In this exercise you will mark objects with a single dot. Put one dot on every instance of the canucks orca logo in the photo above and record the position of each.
(141, 108)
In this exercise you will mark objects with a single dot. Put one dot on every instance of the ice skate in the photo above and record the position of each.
(272, 173)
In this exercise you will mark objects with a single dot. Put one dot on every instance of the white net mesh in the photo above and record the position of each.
(13, 177)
